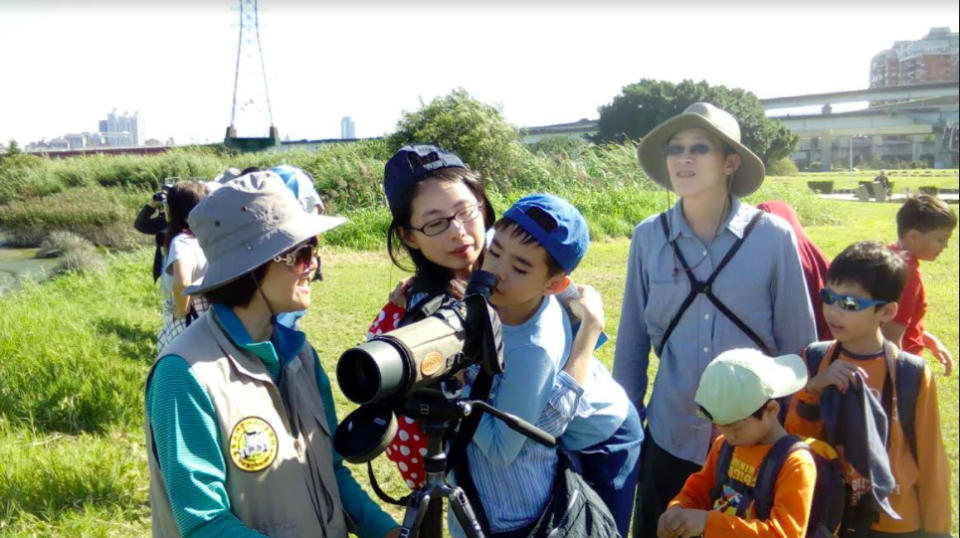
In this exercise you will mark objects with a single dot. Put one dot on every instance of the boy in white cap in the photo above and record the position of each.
(738, 392)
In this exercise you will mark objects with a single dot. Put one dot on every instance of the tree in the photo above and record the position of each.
(473, 130)
(645, 104)
(12, 147)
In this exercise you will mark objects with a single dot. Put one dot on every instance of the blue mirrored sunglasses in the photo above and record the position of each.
(851, 303)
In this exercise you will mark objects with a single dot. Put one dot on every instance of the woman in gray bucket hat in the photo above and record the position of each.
(239, 411)
(710, 274)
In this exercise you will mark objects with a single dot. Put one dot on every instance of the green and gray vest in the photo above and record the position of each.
(275, 440)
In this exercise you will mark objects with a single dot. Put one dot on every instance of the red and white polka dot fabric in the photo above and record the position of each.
(410, 445)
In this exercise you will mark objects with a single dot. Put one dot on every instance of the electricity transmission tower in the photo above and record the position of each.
(251, 96)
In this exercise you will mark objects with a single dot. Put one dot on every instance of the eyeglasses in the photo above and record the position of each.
(676, 150)
(850, 303)
(299, 255)
(440, 225)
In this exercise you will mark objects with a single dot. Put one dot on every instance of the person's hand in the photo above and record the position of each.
(939, 351)
(839, 374)
(588, 307)
(399, 294)
(679, 522)
(393, 533)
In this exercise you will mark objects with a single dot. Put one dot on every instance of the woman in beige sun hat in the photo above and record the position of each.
(710, 274)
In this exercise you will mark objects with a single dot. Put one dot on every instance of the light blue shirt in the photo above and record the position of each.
(602, 408)
(763, 284)
(514, 475)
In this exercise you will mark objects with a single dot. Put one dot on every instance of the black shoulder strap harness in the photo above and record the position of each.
(761, 494)
(906, 371)
(706, 287)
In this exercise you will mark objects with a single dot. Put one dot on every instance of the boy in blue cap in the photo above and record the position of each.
(537, 243)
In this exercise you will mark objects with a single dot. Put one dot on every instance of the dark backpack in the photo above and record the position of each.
(829, 498)
(575, 510)
(907, 380)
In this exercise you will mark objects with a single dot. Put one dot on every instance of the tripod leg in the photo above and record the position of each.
(413, 517)
(464, 512)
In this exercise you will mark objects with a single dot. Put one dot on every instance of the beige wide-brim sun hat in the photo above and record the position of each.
(714, 120)
(246, 222)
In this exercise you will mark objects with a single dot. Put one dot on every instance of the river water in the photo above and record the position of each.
(18, 263)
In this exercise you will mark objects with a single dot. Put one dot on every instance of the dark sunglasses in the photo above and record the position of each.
(299, 255)
(850, 303)
(675, 150)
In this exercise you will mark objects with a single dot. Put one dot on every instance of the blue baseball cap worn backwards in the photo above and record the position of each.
(410, 164)
(567, 242)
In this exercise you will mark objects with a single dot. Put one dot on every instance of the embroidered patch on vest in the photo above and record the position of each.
(253, 444)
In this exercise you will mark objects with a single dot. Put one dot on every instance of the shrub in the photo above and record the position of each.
(100, 215)
(782, 167)
(473, 130)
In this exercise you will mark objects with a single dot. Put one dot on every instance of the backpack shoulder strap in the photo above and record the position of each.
(723, 468)
(665, 225)
(736, 246)
(769, 469)
(814, 354)
(909, 379)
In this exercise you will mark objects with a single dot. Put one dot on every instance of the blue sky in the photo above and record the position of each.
(66, 64)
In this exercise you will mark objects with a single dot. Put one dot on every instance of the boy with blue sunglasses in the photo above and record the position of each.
(864, 283)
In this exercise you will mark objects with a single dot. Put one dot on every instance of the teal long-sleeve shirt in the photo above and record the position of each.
(187, 439)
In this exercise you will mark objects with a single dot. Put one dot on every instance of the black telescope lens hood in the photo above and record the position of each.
(365, 433)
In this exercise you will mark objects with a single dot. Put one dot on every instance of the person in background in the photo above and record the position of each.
(152, 220)
(924, 226)
(814, 263)
(184, 265)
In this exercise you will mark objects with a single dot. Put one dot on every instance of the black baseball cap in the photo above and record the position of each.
(410, 164)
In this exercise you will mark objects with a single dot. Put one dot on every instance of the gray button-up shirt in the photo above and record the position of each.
(763, 284)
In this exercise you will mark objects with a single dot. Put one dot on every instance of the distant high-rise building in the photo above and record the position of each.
(931, 59)
(122, 130)
(348, 130)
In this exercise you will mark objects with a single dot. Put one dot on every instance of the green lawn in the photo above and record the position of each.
(74, 352)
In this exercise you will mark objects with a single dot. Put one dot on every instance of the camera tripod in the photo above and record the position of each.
(424, 513)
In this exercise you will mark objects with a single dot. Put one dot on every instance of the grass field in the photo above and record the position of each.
(74, 352)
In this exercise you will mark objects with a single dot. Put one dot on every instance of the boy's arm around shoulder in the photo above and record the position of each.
(933, 481)
(790, 513)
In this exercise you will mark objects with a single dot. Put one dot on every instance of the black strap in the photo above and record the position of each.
(706, 287)
(402, 501)
(909, 379)
(723, 467)
(458, 449)
(769, 469)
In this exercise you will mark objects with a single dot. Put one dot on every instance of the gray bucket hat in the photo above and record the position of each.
(714, 120)
(246, 222)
